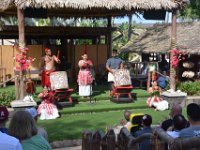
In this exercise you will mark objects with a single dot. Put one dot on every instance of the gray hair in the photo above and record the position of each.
(22, 125)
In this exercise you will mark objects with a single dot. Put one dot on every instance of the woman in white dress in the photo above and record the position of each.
(85, 77)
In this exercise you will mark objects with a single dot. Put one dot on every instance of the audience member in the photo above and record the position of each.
(3, 119)
(34, 114)
(146, 121)
(163, 80)
(22, 126)
(175, 110)
(126, 123)
(179, 123)
(7, 142)
(193, 113)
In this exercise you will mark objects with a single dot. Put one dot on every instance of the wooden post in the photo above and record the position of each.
(173, 45)
(109, 52)
(17, 88)
(148, 78)
(4, 76)
(130, 26)
(20, 17)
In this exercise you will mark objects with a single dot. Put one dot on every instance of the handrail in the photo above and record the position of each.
(8, 80)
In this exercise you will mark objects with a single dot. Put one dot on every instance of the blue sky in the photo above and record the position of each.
(140, 20)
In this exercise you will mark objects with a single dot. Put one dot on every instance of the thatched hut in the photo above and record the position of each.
(88, 8)
(85, 8)
(157, 39)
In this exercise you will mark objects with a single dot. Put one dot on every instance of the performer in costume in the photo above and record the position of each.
(113, 63)
(85, 77)
(48, 66)
(155, 101)
(47, 110)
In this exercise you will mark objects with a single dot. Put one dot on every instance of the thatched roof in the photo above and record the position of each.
(89, 7)
(158, 39)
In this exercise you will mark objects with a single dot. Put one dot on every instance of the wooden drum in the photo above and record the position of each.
(122, 77)
(59, 80)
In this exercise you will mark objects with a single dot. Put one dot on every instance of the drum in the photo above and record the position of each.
(122, 77)
(59, 80)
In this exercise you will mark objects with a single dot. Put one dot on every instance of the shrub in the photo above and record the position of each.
(6, 98)
(191, 88)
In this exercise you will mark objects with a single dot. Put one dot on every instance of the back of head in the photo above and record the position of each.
(175, 110)
(3, 114)
(32, 111)
(193, 112)
(127, 115)
(179, 122)
(147, 120)
(22, 125)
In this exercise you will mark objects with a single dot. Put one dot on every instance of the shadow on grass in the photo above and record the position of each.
(71, 129)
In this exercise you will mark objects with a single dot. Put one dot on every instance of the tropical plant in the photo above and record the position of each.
(6, 98)
(191, 88)
(192, 11)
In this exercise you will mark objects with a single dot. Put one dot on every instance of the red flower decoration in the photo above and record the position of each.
(177, 56)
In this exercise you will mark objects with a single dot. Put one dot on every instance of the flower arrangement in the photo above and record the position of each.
(177, 56)
(23, 60)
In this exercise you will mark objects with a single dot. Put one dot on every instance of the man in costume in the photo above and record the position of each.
(113, 63)
(48, 66)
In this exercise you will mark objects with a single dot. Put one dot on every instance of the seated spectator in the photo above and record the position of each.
(146, 121)
(175, 110)
(8, 142)
(163, 80)
(41, 131)
(22, 126)
(126, 123)
(3, 119)
(193, 113)
(179, 123)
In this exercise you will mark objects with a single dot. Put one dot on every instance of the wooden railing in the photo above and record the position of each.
(159, 140)
(2, 77)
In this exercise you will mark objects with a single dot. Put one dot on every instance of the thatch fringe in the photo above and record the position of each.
(91, 4)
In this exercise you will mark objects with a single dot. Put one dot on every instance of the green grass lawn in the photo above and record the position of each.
(86, 116)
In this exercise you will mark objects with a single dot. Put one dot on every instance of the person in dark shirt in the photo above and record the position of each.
(146, 121)
(113, 63)
(163, 80)
(175, 110)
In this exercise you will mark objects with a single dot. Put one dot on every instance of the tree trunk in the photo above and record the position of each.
(173, 45)
(20, 16)
(129, 27)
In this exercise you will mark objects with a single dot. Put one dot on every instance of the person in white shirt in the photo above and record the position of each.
(179, 123)
(8, 142)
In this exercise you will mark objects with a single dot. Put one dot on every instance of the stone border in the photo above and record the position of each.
(66, 143)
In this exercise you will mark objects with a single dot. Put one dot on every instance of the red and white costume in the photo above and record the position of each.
(47, 110)
(155, 101)
(85, 78)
